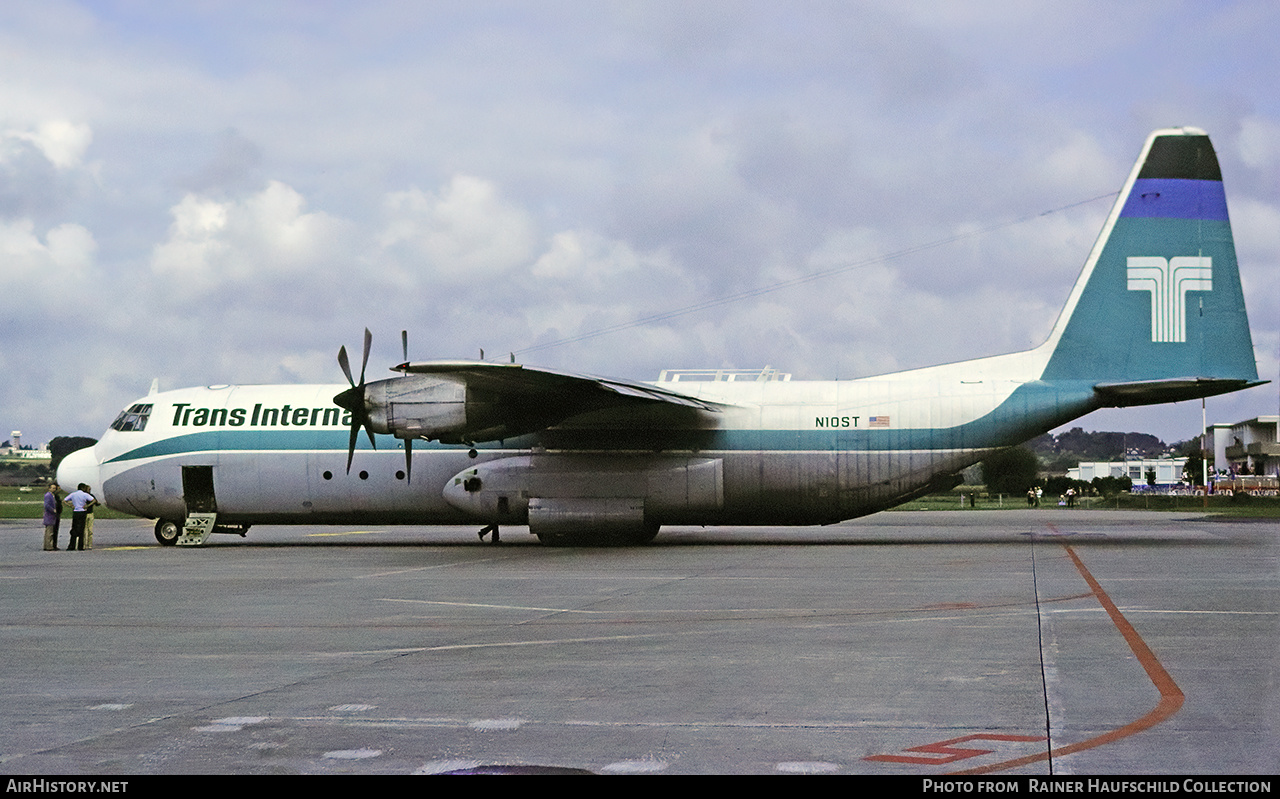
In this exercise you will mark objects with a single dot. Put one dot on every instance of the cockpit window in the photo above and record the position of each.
(135, 418)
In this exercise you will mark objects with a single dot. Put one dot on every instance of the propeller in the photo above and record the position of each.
(353, 398)
(408, 442)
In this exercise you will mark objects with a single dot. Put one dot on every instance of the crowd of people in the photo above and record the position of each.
(82, 504)
(1035, 493)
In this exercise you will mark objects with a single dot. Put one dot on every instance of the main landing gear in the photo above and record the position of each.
(167, 532)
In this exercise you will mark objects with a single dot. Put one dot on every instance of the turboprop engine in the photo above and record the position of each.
(465, 402)
(449, 401)
(439, 409)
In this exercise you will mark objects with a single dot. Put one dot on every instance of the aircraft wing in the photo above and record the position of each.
(471, 401)
(517, 380)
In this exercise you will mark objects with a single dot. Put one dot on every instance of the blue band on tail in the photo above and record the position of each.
(1176, 198)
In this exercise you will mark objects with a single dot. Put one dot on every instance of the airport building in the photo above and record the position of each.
(15, 450)
(1168, 471)
(1248, 447)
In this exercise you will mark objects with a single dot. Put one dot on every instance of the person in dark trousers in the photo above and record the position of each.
(52, 518)
(79, 500)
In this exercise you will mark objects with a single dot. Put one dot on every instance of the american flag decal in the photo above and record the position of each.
(879, 421)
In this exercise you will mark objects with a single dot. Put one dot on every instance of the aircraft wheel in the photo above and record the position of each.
(167, 532)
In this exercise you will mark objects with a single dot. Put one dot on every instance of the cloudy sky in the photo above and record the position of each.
(215, 192)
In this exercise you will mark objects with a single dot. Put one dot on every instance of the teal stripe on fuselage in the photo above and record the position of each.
(1031, 409)
(251, 440)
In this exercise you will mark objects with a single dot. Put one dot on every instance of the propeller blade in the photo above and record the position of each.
(358, 419)
(353, 398)
(408, 460)
(351, 447)
(364, 361)
(404, 344)
(345, 364)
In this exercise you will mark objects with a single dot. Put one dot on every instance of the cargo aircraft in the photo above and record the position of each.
(1157, 315)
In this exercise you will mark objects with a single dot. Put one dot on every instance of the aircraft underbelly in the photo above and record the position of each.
(827, 486)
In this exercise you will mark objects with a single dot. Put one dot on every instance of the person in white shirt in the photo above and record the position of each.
(80, 501)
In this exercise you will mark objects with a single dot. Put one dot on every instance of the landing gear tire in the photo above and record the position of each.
(167, 532)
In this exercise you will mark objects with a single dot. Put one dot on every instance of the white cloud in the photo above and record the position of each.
(195, 243)
(1079, 161)
(566, 258)
(1259, 142)
(465, 233)
(213, 244)
(62, 142)
(1256, 229)
(590, 263)
(33, 266)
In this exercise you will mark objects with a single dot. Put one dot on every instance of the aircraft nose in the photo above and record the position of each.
(79, 467)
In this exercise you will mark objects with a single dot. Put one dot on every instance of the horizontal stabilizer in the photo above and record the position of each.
(1150, 392)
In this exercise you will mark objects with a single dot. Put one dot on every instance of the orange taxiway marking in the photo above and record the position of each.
(1171, 696)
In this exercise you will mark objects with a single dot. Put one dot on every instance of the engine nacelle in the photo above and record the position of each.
(600, 518)
(417, 406)
(562, 493)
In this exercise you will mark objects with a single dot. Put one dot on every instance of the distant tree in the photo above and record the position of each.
(1057, 486)
(62, 446)
(1105, 445)
(1011, 471)
(1109, 486)
(1043, 444)
(1193, 471)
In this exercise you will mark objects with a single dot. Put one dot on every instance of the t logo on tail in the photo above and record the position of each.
(1169, 280)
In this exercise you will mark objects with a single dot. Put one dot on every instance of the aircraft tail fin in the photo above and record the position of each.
(1158, 312)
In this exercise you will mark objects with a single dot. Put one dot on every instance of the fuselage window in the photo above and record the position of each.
(134, 419)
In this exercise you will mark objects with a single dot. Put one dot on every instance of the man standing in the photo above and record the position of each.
(88, 519)
(52, 518)
(79, 501)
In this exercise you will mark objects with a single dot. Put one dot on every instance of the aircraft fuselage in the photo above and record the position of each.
(808, 452)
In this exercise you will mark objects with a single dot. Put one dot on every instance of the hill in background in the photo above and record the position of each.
(1066, 450)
